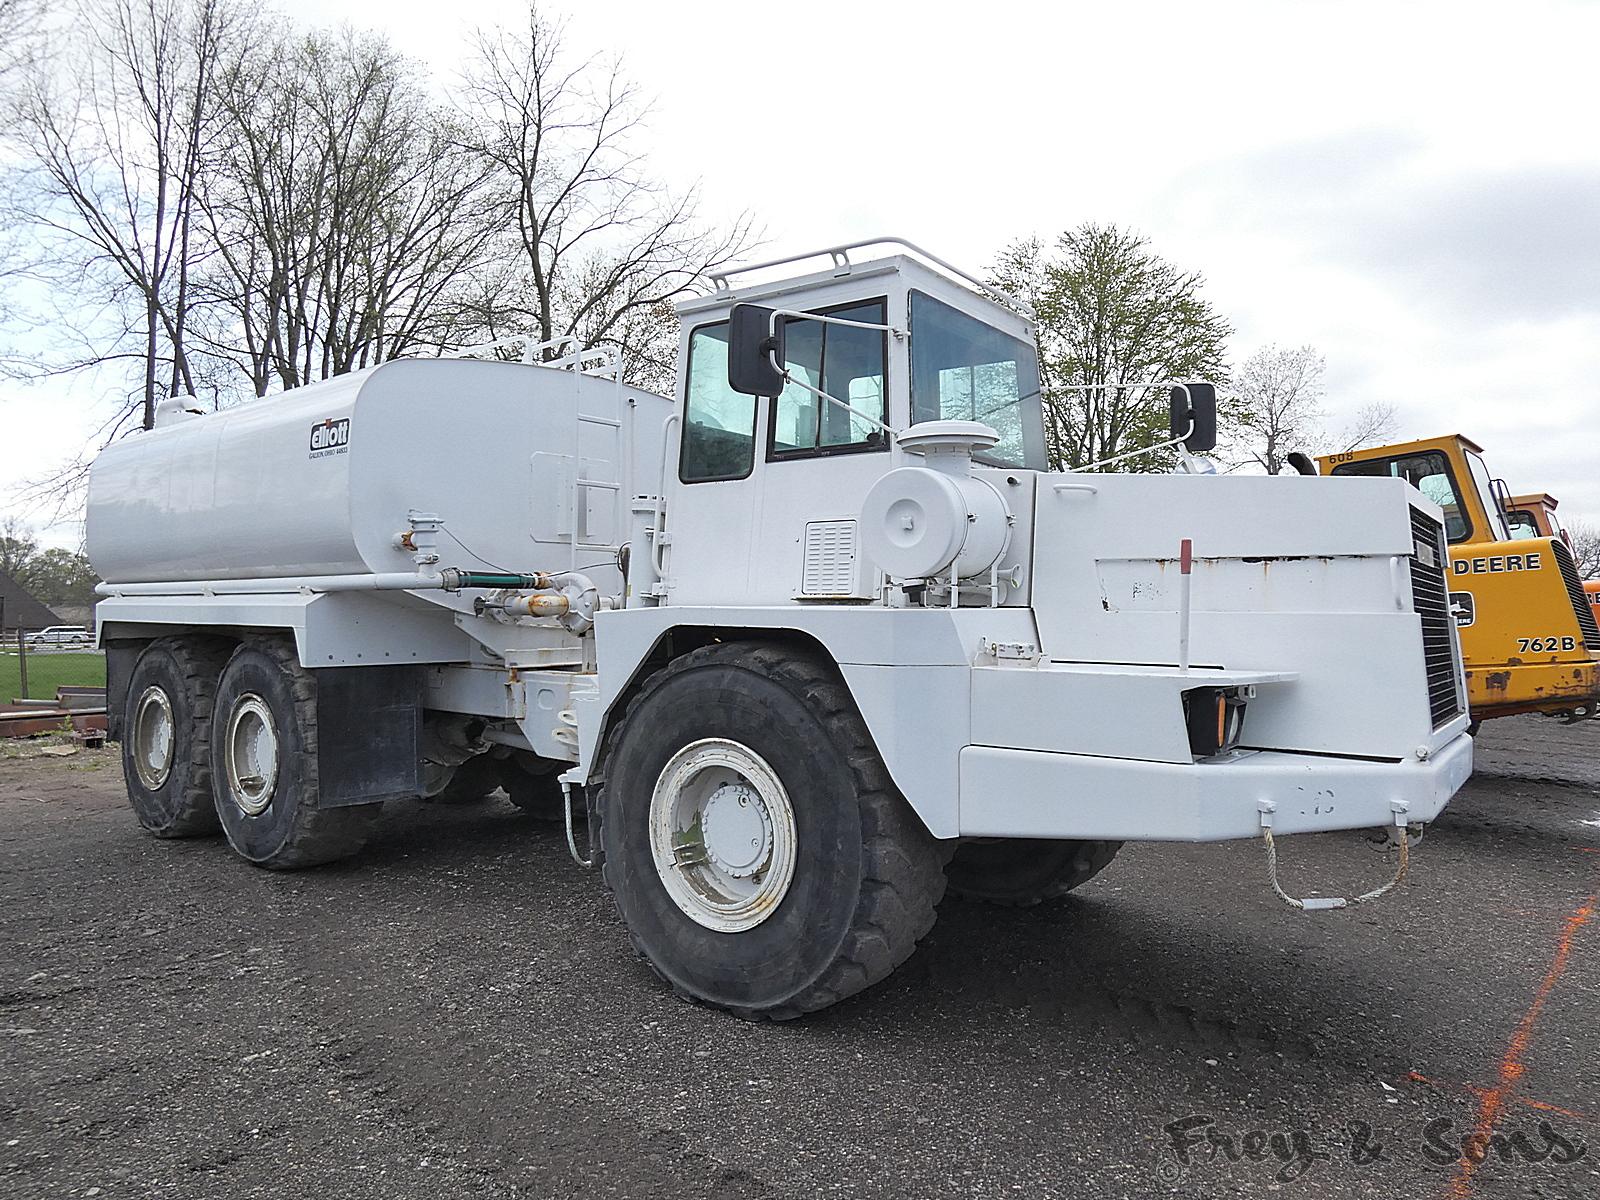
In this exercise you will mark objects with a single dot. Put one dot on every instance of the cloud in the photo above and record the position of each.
(1499, 246)
(1461, 241)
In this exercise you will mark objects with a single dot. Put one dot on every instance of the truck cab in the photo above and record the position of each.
(1528, 633)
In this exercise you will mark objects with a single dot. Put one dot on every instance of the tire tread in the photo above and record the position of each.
(902, 879)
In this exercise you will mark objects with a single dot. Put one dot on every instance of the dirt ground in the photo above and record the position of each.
(456, 1013)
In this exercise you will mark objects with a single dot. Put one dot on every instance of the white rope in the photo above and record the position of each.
(1322, 902)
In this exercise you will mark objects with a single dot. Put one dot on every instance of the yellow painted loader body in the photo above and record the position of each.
(1536, 516)
(1529, 640)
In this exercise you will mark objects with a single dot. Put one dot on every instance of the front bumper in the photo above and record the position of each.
(1037, 794)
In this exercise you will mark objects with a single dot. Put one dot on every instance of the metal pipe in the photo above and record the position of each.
(448, 580)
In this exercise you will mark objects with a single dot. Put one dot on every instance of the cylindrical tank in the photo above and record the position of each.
(318, 481)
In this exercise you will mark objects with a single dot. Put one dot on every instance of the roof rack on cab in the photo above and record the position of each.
(841, 261)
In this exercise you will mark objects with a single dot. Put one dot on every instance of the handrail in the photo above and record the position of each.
(841, 258)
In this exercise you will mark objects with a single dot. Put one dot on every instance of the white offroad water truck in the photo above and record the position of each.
(807, 645)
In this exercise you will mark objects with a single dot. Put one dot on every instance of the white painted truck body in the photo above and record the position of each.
(1047, 706)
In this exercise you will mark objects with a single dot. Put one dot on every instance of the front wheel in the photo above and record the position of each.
(754, 844)
(264, 765)
(1022, 872)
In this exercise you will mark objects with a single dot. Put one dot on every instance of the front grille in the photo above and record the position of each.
(1430, 598)
(1580, 602)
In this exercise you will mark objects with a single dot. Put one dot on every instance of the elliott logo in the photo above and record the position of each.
(330, 437)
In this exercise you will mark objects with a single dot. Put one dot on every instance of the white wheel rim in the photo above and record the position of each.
(250, 754)
(155, 737)
(722, 835)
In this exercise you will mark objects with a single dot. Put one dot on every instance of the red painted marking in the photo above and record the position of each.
(1493, 1100)
(1185, 555)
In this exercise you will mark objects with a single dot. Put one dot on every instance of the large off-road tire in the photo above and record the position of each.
(752, 839)
(538, 793)
(166, 735)
(474, 780)
(264, 765)
(1022, 872)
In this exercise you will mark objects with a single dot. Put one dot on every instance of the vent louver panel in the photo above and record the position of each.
(1431, 599)
(1580, 603)
(830, 559)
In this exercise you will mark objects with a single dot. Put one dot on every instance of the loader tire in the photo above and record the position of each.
(264, 765)
(1022, 872)
(864, 875)
(166, 735)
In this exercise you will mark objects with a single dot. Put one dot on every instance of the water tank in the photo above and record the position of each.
(318, 481)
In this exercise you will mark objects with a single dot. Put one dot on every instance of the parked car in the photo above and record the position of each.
(61, 635)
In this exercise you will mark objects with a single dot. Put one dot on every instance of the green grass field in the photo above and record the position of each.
(47, 672)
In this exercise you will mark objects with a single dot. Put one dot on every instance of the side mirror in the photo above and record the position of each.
(1302, 462)
(755, 340)
(1194, 416)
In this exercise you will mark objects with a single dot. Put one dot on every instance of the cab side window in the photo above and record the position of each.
(719, 424)
(1428, 472)
(848, 364)
(1521, 524)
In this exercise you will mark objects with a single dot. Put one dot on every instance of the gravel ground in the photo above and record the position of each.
(456, 1013)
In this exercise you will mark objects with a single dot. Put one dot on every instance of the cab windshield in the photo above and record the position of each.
(965, 370)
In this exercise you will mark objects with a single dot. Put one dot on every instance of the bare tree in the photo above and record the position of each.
(598, 248)
(1277, 406)
(1585, 538)
(1371, 424)
(344, 209)
(114, 128)
(1113, 314)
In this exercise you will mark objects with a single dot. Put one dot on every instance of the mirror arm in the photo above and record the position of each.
(834, 400)
(805, 316)
(1105, 462)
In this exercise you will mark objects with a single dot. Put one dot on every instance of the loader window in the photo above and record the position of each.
(844, 362)
(1520, 523)
(965, 370)
(1428, 472)
(719, 424)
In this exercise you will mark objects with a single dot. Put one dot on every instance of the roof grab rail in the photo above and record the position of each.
(841, 262)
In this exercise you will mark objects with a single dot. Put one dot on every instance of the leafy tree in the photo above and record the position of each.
(59, 576)
(52, 576)
(1113, 314)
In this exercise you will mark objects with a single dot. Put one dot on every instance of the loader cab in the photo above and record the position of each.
(763, 492)
(1529, 638)
(1448, 470)
(1535, 516)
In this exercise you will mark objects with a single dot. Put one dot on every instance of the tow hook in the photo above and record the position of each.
(1317, 903)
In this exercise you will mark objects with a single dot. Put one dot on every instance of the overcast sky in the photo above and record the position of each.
(1412, 188)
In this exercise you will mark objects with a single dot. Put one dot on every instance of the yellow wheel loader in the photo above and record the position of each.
(1535, 516)
(1529, 639)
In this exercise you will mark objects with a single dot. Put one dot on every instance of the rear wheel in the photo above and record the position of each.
(536, 789)
(476, 779)
(264, 765)
(1021, 872)
(166, 734)
(752, 839)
